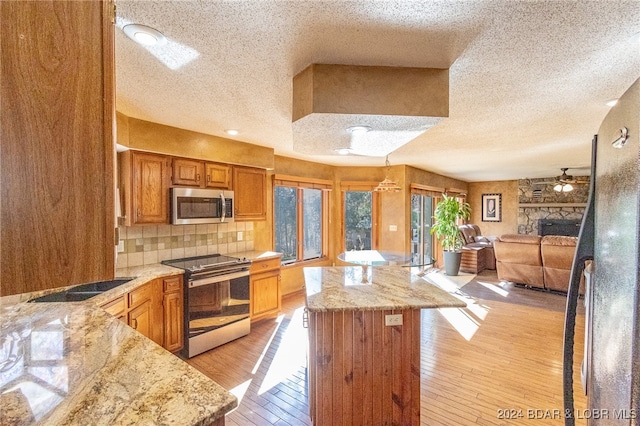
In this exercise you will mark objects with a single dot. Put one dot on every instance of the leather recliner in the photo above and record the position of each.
(518, 259)
(474, 240)
(543, 262)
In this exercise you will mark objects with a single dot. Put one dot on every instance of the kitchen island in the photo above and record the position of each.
(72, 363)
(364, 343)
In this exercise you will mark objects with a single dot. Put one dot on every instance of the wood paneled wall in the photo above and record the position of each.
(57, 98)
(363, 372)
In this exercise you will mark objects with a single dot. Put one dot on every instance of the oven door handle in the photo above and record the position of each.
(217, 279)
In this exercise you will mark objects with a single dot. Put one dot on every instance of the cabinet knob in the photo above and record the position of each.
(134, 323)
(208, 178)
(198, 177)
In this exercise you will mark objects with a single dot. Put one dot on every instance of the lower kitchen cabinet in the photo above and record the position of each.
(173, 313)
(116, 308)
(265, 288)
(140, 319)
(155, 310)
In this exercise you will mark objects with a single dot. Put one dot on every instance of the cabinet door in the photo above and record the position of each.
(150, 188)
(116, 307)
(57, 99)
(187, 172)
(173, 321)
(250, 186)
(217, 176)
(265, 294)
(140, 319)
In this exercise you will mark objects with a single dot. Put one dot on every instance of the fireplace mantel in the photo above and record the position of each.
(534, 205)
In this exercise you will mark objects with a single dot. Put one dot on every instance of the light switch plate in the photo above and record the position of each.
(240, 236)
(394, 319)
(393, 228)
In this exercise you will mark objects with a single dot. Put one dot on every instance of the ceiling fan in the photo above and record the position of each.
(564, 182)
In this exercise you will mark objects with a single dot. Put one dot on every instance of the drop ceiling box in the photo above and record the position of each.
(396, 103)
(352, 89)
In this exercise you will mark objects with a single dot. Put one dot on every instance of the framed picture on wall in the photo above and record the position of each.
(492, 207)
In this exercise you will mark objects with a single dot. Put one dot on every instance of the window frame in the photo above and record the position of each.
(436, 194)
(300, 184)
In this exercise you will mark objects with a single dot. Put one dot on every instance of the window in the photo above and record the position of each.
(357, 220)
(286, 222)
(300, 216)
(360, 219)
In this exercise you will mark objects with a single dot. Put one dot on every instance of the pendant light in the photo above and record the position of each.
(387, 185)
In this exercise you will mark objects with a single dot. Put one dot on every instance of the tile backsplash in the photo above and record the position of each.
(148, 244)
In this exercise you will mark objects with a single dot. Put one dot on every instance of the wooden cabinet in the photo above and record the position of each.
(265, 288)
(173, 313)
(57, 152)
(187, 172)
(217, 175)
(155, 310)
(116, 308)
(145, 179)
(202, 174)
(140, 318)
(250, 187)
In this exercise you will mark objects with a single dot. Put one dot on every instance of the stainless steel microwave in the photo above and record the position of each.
(192, 205)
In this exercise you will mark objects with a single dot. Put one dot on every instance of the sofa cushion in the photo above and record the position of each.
(557, 257)
(518, 259)
(520, 238)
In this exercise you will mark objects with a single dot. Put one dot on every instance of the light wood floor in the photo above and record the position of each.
(500, 357)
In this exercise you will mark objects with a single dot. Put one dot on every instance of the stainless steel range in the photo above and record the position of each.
(216, 300)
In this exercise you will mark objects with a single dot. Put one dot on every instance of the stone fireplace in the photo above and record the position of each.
(538, 201)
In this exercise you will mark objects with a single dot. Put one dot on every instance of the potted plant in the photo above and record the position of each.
(447, 213)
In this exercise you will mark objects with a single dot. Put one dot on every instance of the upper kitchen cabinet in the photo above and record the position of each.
(144, 178)
(202, 174)
(250, 187)
(57, 97)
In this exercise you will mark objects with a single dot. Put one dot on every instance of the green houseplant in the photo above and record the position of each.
(447, 214)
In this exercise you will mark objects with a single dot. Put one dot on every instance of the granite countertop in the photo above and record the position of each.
(72, 363)
(257, 254)
(372, 288)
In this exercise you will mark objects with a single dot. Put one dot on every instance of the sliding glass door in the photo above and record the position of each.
(421, 221)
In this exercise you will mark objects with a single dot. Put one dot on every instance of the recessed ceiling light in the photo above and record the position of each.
(612, 102)
(144, 35)
(358, 130)
(343, 151)
(232, 132)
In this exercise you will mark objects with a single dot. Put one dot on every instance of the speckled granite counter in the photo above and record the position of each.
(372, 288)
(72, 363)
(257, 254)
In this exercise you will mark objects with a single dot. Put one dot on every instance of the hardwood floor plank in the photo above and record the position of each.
(502, 352)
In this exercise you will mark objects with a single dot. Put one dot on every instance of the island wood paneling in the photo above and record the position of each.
(57, 152)
(361, 371)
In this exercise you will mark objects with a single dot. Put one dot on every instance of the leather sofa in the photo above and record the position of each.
(541, 262)
(477, 249)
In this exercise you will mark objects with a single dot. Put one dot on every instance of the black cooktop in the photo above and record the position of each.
(206, 262)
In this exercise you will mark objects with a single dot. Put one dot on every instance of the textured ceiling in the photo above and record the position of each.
(528, 79)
